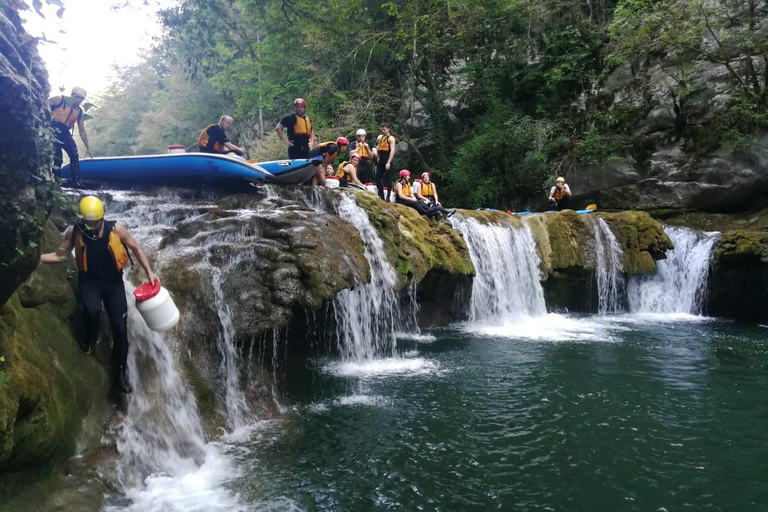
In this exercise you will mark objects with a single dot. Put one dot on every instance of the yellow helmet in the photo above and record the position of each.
(561, 179)
(91, 208)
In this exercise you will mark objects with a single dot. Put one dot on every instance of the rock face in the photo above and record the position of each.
(25, 144)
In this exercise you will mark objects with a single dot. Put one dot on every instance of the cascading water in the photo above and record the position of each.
(610, 271)
(680, 281)
(367, 315)
(507, 285)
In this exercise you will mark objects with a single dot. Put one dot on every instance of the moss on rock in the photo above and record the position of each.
(642, 239)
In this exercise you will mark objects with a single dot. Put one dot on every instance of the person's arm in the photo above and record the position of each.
(400, 195)
(279, 129)
(312, 139)
(567, 189)
(434, 191)
(64, 248)
(552, 193)
(84, 135)
(127, 238)
(391, 151)
(234, 148)
(352, 170)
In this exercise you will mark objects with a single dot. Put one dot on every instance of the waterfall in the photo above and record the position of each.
(680, 281)
(367, 315)
(507, 286)
(239, 413)
(610, 271)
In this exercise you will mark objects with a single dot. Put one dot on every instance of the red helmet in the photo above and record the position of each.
(425, 174)
(404, 173)
(353, 155)
(300, 101)
(342, 141)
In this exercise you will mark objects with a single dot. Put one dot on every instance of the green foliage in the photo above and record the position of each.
(4, 378)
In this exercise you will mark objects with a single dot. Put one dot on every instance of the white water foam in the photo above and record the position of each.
(680, 282)
(610, 271)
(400, 367)
(551, 327)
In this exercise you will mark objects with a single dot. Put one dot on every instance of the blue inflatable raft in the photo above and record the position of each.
(191, 169)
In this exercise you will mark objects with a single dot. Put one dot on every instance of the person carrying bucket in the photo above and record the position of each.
(101, 251)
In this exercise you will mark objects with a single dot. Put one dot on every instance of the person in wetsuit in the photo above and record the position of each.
(404, 196)
(65, 112)
(213, 138)
(101, 254)
(329, 151)
(301, 136)
(385, 151)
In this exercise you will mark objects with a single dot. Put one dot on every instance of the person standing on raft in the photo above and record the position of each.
(404, 196)
(65, 112)
(386, 152)
(101, 254)
(213, 138)
(301, 136)
(560, 195)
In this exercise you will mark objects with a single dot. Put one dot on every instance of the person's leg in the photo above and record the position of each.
(70, 147)
(58, 154)
(117, 311)
(90, 298)
(380, 175)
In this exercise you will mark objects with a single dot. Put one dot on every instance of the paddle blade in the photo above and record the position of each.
(591, 207)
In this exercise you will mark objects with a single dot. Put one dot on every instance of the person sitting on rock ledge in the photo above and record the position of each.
(347, 173)
(560, 195)
(100, 252)
(404, 196)
(428, 192)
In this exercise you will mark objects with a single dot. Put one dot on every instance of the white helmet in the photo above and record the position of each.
(360, 132)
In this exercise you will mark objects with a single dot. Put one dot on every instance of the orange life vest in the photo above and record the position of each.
(115, 245)
(202, 141)
(362, 150)
(384, 143)
(427, 189)
(406, 189)
(340, 173)
(332, 156)
(66, 114)
(559, 194)
(303, 125)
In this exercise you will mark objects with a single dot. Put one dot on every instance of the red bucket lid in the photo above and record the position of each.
(176, 147)
(331, 177)
(146, 291)
(369, 183)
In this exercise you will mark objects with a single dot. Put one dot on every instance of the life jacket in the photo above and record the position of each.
(340, 171)
(559, 194)
(427, 189)
(406, 190)
(303, 125)
(202, 141)
(115, 246)
(332, 156)
(384, 143)
(362, 150)
(65, 114)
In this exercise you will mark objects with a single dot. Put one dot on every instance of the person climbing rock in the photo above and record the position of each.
(560, 194)
(404, 196)
(359, 146)
(301, 136)
(101, 254)
(213, 138)
(385, 150)
(65, 112)
(347, 172)
(329, 151)
(428, 192)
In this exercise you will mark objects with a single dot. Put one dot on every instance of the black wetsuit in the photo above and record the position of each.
(63, 141)
(300, 141)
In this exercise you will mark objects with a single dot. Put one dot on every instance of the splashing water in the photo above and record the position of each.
(610, 271)
(367, 315)
(680, 282)
(507, 286)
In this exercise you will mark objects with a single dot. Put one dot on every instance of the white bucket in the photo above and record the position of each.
(332, 182)
(371, 187)
(176, 149)
(159, 312)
